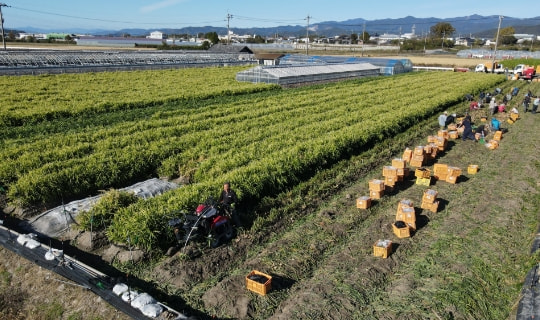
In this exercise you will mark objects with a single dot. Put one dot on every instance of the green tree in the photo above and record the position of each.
(205, 45)
(364, 36)
(256, 39)
(442, 29)
(354, 38)
(506, 36)
(212, 36)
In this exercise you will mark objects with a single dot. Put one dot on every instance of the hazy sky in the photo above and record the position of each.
(63, 15)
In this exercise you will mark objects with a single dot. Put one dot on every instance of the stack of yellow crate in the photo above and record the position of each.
(390, 176)
(417, 159)
(429, 200)
(441, 142)
(376, 189)
(453, 174)
(440, 171)
(443, 134)
(401, 169)
(423, 176)
(407, 155)
(497, 136)
(434, 151)
(453, 134)
(406, 213)
(452, 127)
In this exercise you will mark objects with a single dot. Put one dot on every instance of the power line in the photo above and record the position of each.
(112, 21)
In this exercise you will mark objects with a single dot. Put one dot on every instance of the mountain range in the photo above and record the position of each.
(475, 25)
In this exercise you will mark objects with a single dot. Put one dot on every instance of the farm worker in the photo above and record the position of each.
(450, 119)
(526, 101)
(535, 105)
(229, 200)
(467, 131)
(515, 91)
(495, 124)
(473, 105)
(442, 119)
(482, 130)
(501, 108)
(492, 106)
(514, 110)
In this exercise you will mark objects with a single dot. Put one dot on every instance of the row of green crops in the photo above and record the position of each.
(31, 99)
(284, 157)
(202, 142)
(261, 142)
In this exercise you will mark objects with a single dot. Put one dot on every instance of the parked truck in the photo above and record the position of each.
(526, 72)
(488, 67)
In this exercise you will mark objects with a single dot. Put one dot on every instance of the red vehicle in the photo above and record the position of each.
(209, 222)
(528, 73)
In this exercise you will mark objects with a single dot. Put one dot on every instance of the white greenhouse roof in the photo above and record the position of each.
(294, 71)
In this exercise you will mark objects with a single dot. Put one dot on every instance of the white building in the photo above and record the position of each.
(156, 35)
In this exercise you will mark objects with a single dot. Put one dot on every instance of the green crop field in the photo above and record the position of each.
(298, 158)
(260, 142)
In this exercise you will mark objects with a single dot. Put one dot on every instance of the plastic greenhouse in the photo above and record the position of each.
(387, 66)
(307, 73)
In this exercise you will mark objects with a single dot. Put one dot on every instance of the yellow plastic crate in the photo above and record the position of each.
(389, 171)
(472, 169)
(404, 232)
(442, 133)
(407, 215)
(376, 185)
(423, 181)
(422, 173)
(433, 207)
(382, 248)
(419, 151)
(390, 181)
(407, 154)
(398, 163)
(376, 194)
(430, 196)
(363, 202)
(257, 287)
(403, 172)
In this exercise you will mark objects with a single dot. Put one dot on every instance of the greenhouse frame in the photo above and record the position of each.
(387, 66)
(286, 75)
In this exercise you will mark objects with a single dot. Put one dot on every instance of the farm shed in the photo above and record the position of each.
(268, 59)
(297, 74)
(387, 66)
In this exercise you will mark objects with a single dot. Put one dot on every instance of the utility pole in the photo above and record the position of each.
(442, 43)
(363, 36)
(2, 24)
(307, 35)
(496, 42)
(229, 17)
(425, 40)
